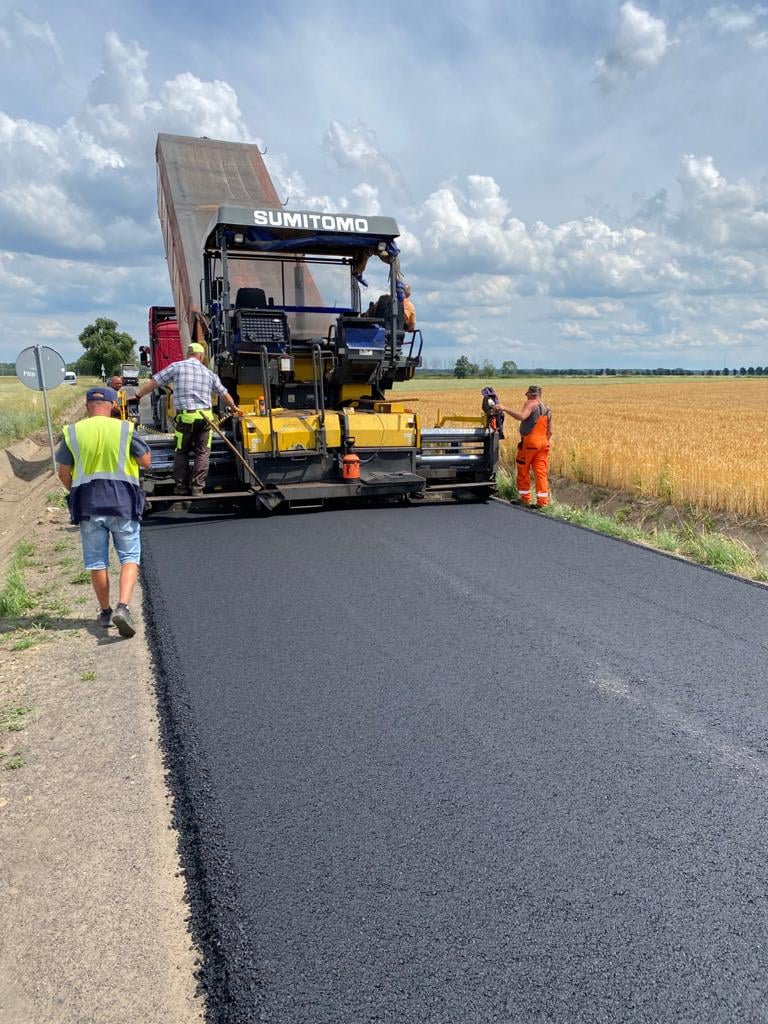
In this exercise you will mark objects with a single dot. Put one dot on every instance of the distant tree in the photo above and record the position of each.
(465, 368)
(508, 368)
(104, 346)
(751, 371)
(726, 371)
(743, 371)
(759, 371)
(487, 369)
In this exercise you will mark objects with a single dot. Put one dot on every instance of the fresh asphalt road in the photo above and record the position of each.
(459, 764)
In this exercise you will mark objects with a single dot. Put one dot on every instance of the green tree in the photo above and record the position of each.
(487, 369)
(104, 346)
(508, 368)
(465, 368)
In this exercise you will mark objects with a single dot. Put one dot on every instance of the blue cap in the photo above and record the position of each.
(102, 394)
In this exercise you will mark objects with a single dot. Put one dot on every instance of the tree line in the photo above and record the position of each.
(105, 345)
(466, 368)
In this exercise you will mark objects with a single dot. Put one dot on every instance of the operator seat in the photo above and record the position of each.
(250, 298)
(257, 323)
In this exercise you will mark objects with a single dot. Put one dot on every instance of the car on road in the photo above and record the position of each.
(70, 377)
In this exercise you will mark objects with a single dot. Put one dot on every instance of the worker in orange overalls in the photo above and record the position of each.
(533, 451)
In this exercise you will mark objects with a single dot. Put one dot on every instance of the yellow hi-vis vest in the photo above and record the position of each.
(101, 448)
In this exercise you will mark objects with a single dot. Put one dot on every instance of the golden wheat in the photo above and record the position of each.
(700, 442)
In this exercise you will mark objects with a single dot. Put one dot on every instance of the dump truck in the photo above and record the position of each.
(278, 298)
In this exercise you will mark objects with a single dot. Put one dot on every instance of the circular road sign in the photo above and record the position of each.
(51, 363)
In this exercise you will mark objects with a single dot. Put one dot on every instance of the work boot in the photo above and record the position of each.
(123, 619)
(105, 617)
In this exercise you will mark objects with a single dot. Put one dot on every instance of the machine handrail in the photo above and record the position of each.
(267, 394)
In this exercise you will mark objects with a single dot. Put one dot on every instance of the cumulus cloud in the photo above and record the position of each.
(572, 330)
(80, 236)
(580, 310)
(87, 186)
(356, 148)
(640, 43)
(366, 200)
(637, 287)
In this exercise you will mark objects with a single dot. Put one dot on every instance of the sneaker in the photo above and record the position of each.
(105, 617)
(123, 619)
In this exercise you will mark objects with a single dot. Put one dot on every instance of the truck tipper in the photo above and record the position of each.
(301, 314)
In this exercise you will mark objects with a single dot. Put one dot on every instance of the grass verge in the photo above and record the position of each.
(15, 598)
(707, 548)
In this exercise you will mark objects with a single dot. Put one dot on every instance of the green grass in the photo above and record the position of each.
(12, 719)
(707, 548)
(84, 576)
(32, 637)
(15, 598)
(22, 410)
(13, 762)
(88, 677)
(58, 499)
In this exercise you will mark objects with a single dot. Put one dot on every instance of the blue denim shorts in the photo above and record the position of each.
(95, 533)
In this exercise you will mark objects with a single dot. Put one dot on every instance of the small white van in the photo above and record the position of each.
(70, 377)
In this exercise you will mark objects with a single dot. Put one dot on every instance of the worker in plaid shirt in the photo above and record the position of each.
(192, 383)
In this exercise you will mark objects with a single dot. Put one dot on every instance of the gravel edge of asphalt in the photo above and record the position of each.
(191, 804)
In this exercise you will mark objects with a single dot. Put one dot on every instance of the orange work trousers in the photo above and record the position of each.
(532, 455)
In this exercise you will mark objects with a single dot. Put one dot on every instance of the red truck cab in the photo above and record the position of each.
(164, 348)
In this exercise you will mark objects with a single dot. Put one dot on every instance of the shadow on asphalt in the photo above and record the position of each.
(203, 513)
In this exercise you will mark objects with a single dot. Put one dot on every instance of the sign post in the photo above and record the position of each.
(41, 369)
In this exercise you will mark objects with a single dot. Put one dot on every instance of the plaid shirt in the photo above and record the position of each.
(192, 384)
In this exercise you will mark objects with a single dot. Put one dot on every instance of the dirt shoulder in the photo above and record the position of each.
(94, 911)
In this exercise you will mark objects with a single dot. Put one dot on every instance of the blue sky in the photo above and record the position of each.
(577, 183)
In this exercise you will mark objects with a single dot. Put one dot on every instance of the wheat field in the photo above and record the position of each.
(702, 441)
(22, 410)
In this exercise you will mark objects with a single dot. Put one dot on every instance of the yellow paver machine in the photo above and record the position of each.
(276, 295)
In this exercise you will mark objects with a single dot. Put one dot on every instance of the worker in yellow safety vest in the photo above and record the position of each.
(98, 463)
(533, 450)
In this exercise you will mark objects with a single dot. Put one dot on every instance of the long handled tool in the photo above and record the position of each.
(236, 453)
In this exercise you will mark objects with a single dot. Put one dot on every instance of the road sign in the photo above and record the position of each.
(41, 369)
(43, 373)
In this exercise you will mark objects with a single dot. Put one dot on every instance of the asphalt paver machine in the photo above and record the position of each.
(282, 304)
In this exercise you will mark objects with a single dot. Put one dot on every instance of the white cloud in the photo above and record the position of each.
(761, 325)
(20, 32)
(587, 310)
(204, 108)
(571, 330)
(366, 200)
(357, 148)
(732, 18)
(640, 43)
(88, 185)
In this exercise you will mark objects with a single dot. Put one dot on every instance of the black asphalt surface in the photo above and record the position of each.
(460, 764)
